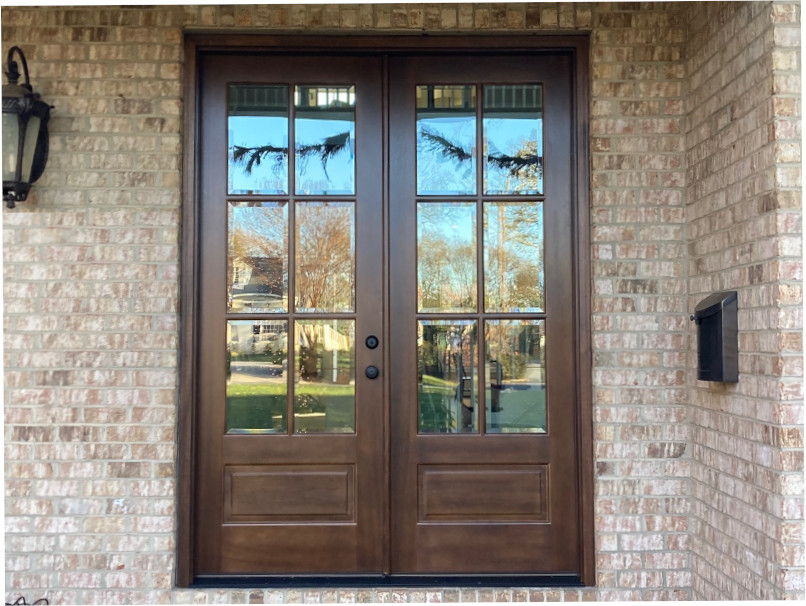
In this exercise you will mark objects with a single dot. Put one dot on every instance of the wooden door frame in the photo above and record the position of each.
(196, 45)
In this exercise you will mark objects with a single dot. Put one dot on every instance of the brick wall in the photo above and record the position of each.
(743, 207)
(91, 281)
(639, 307)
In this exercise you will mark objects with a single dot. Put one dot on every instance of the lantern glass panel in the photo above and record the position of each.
(29, 148)
(11, 129)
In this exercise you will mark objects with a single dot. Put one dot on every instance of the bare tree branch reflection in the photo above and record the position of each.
(526, 160)
(324, 151)
(446, 256)
(325, 275)
(513, 256)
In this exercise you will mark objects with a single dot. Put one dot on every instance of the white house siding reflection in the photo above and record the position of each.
(257, 358)
(257, 267)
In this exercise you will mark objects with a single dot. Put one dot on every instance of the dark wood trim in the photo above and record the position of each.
(583, 288)
(292, 41)
(301, 43)
(387, 389)
(188, 310)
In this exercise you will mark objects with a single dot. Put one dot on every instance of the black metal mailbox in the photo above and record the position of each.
(716, 318)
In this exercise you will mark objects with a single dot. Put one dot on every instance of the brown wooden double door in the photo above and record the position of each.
(385, 339)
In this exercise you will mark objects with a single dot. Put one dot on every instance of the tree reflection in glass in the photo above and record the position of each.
(513, 256)
(447, 376)
(513, 139)
(446, 256)
(446, 140)
(257, 267)
(325, 257)
(515, 376)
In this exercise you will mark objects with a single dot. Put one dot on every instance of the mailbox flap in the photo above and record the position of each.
(714, 303)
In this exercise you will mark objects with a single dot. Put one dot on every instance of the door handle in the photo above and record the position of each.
(372, 372)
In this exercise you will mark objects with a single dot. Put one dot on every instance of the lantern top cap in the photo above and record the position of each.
(16, 90)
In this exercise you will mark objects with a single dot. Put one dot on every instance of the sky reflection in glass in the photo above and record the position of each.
(325, 140)
(446, 140)
(257, 139)
(513, 139)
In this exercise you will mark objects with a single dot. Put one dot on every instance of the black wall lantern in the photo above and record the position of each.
(25, 133)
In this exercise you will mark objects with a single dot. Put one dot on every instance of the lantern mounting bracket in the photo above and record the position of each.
(13, 73)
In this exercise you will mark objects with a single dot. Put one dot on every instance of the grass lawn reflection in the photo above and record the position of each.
(261, 407)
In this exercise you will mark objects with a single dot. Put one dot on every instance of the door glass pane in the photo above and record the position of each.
(257, 124)
(515, 380)
(325, 139)
(11, 133)
(446, 256)
(324, 386)
(513, 256)
(325, 255)
(513, 139)
(29, 147)
(446, 140)
(256, 380)
(447, 376)
(257, 265)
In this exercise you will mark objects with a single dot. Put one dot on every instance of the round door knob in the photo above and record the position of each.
(371, 342)
(372, 372)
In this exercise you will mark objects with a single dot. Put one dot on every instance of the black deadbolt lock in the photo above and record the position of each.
(372, 372)
(372, 341)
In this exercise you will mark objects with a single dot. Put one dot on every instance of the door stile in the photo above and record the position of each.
(212, 216)
(402, 265)
(479, 200)
(369, 315)
(385, 332)
(292, 255)
(560, 326)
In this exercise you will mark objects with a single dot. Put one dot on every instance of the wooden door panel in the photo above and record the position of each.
(289, 493)
(482, 502)
(479, 493)
(281, 499)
